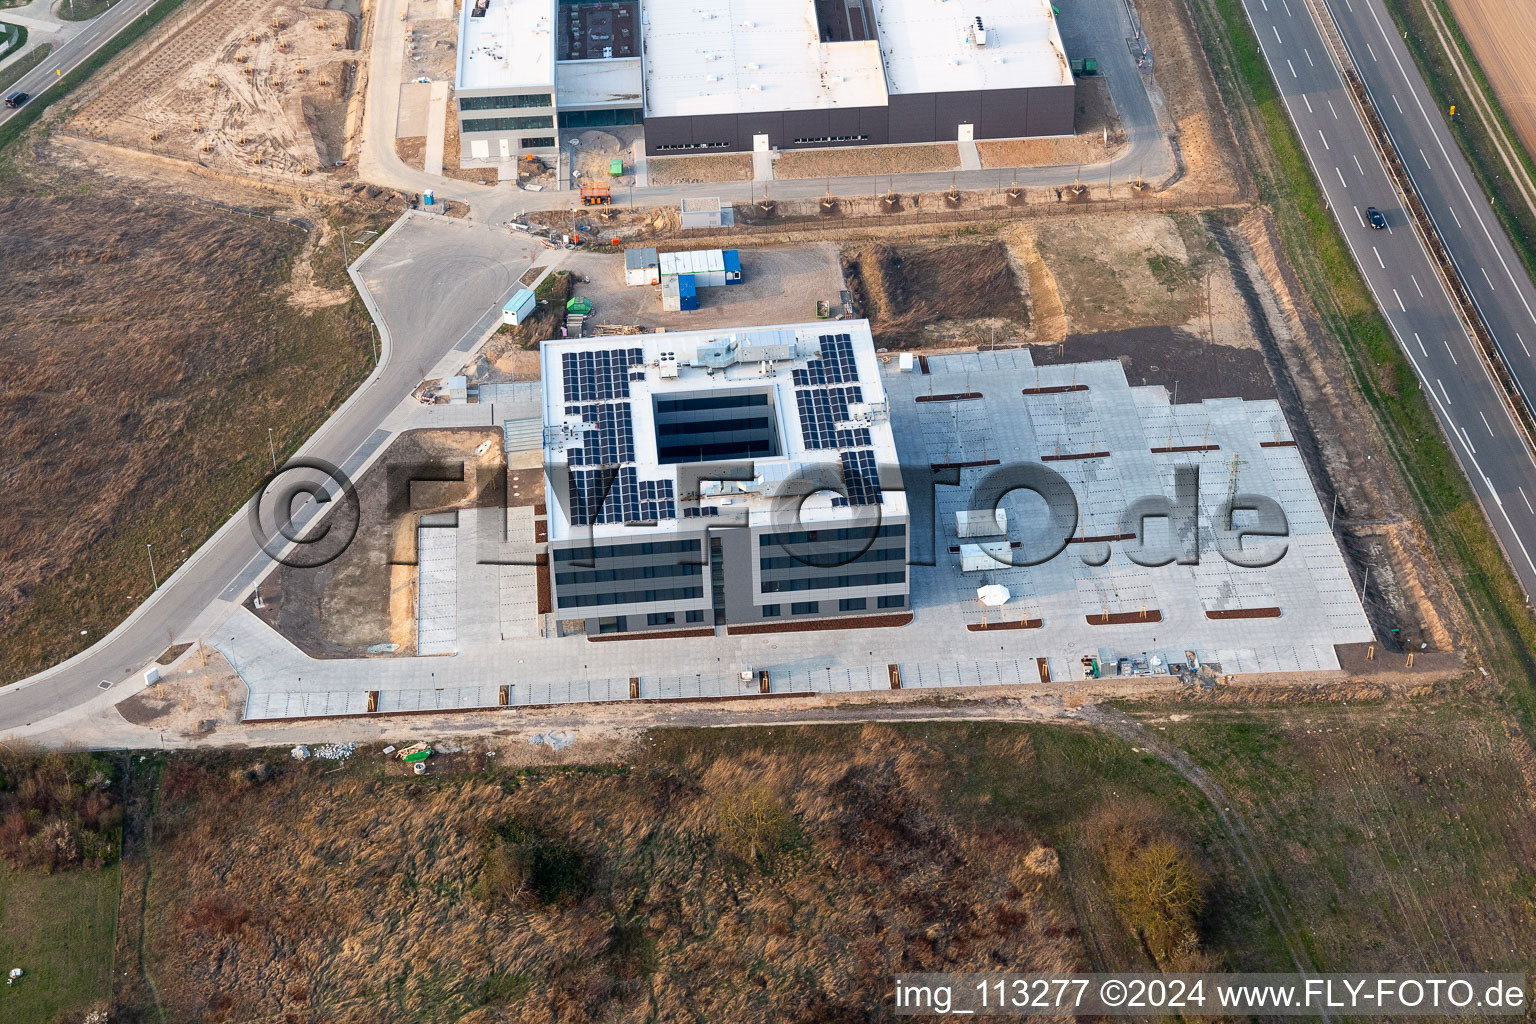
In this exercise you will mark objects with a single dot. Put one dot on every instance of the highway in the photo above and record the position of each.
(1469, 404)
(428, 283)
(69, 54)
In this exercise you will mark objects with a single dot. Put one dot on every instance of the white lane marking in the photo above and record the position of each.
(1335, 112)
(1439, 142)
(1420, 340)
(1485, 422)
(1266, 6)
(1291, 66)
(1287, 8)
(1357, 164)
(1308, 54)
(1276, 31)
(1415, 281)
(1378, 257)
(1453, 214)
(1307, 102)
(1324, 138)
(1443, 391)
(1399, 299)
(1527, 501)
(1341, 177)
(1468, 439)
(1486, 277)
(1396, 104)
(1514, 534)
(1361, 216)
(1453, 354)
(1522, 343)
(1426, 160)
(1370, 51)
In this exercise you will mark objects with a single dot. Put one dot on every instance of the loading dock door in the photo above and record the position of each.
(506, 149)
(967, 132)
(759, 143)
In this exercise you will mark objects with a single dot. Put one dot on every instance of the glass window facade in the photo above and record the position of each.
(534, 99)
(507, 124)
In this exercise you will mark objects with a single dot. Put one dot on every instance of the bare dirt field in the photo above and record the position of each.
(1501, 33)
(1099, 135)
(1118, 272)
(693, 170)
(255, 87)
(147, 348)
(922, 294)
(365, 596)
(1189, 106)
(861, 160)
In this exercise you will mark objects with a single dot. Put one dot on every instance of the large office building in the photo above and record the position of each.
(701, 479)
(743, 75)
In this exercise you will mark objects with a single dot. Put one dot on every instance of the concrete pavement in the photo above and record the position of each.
(1486, 440)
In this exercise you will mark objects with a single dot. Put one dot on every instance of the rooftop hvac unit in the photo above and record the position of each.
(979, 34)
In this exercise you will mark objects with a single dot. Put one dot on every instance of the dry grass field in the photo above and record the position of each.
(786, 874)
(742, 875)
(148, 347)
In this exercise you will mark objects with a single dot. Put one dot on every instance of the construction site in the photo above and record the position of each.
(264, 89)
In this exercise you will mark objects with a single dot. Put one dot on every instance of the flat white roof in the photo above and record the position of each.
(574, 428)
(931, 45)
(741, 56)
(511, 47)
(598, 83)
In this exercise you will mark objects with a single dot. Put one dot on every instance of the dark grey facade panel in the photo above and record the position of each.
(1052, 110)
(909, 118)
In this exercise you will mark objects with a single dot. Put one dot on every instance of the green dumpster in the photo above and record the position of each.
(420, 755)
(616, 167)
(578, 304)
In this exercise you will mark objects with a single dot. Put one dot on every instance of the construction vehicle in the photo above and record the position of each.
(595, 193)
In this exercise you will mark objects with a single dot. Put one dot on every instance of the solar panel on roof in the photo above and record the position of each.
(861, 479)
(821, 409)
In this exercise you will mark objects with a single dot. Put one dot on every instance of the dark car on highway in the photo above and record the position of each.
(16, 99)
(1373, 215)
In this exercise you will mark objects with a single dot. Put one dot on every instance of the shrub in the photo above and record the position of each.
(519, 862)
(755, 827)
(58, 810)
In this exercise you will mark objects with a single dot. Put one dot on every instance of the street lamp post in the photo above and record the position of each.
(272, 449)
(153, 576)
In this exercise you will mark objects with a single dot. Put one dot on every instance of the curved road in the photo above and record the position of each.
(428, 283)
